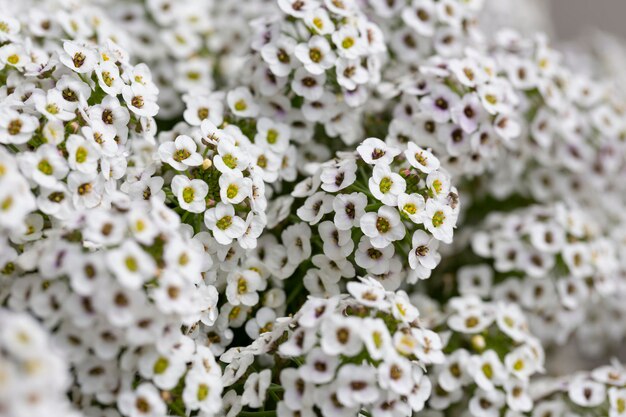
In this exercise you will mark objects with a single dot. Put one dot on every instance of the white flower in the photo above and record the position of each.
(386, 185)
(412, 206)
(319, 368)
(340, 336)
(272, 136)
(181, 153)
(521, 362)
(375, 151)
(53, 106)
(383, 227)
(255, 388)
(421, 159)
(164, 370)
(369, 293)
(243, 286)
(278, 55)
(224, 224)
(475, 279)
(395, 373)
(298, 393)
(234, 188)
(349, 43)
(316, 55)
(585, 392)
(145, 401)
(190, 193)
(140, 100)
(485, 403)
(315, 207)
(131, 265)
(617, 401)
(439, 103)
(348, 209)
(486, 370)
(357, 385)
(439, 220)
(307, 85)
(338, 176)
(109, 78)
(517, 395)
(241, 102)
(337, 244)
(423, 256)
(202, 392)
(45, 166)
(429, 346)
(79, 58)
(230, 157)
(420, 16)
(15, 127)
(374, 260)
(350, 73)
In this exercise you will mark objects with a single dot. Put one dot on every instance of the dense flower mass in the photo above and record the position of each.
(301, 208)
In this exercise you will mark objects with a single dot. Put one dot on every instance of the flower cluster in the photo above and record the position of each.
(339, 357)
(465, 109)
(119, 286)
(215, 180)
(34, 375)
(554, 261)
(420, 30)
(601, 391)
(190, 46)
(378, 211)
(571, 146)
(490, 356)
(69, 113)
(198, 218)
(326, 56)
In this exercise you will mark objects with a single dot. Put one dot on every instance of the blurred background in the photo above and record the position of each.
(564, 20)
(575, 18)
(591, 34)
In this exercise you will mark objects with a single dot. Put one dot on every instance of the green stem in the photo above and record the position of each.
(271, 413)
(175, 408)
(295, 292)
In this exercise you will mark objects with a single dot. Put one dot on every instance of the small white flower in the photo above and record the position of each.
(140, 100)
(241, 102)
(272, 136)
(357, 385)
(421, 159)
(585, 392)
(131, 265)
(145, 401)
(375, 151)
(234, 188)
(224, 223)
(315, 207)
(181, 153)
(316, 55)
(348, 210)
(439, 220)
(319, 367)
(255, 388)
(383, 227)
(190, 193)
(423, 256)
(243, 286)
(386, 185)
(340, 336)
(78, 57)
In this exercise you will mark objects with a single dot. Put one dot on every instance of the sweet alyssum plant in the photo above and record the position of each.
(305, 208)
